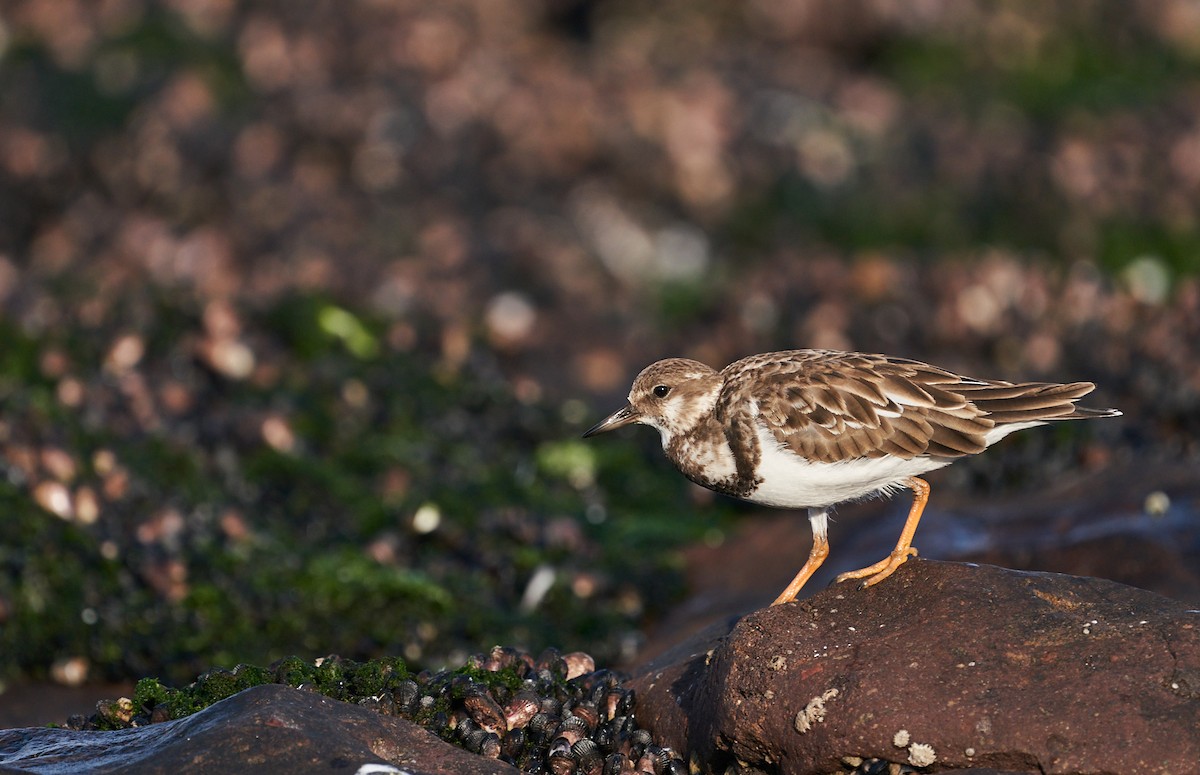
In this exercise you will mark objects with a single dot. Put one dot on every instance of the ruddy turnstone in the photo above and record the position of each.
(814, 428)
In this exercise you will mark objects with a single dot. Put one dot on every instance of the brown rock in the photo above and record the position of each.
(1095, 525)
(270, 728)
(952, 666)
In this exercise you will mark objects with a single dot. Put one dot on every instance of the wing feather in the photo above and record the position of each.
(841, 406)
(832, 406)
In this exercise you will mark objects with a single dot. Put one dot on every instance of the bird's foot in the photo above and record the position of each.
(882, 569)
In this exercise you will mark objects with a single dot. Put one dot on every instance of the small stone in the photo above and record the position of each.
(125, 353)
(1157, 503)
(54, 498)
(230, 357)
(277, 432)
(70, 671)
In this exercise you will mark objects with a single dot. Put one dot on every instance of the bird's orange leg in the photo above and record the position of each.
(819, 519)
(904, 549)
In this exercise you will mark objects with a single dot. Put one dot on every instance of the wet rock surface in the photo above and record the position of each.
(267, 728)
(946, 666)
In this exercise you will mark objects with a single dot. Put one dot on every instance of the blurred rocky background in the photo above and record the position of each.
(303, 306)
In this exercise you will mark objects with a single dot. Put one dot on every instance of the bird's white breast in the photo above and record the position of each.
(790, 481)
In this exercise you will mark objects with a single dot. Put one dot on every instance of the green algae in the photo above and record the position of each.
(333, 677)
(224, 549)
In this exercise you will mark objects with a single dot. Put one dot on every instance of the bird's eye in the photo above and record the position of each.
(661, 391)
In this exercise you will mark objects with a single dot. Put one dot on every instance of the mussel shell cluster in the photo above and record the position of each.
(553, 714)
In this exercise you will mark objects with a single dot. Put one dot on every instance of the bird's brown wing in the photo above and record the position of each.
(832, 406)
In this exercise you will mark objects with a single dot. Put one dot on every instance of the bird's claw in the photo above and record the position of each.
(881, 570)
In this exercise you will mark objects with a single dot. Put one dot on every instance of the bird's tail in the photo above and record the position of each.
(1008, 403)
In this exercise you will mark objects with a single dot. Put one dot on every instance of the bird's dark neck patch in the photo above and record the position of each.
(710, 446)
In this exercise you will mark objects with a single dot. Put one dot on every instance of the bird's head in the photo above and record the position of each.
(669, 395)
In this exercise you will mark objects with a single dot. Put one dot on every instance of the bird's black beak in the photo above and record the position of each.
(626, 415)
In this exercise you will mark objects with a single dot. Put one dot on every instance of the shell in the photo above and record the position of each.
(513, 743)
(552, 706)
(606, 736)
(609, 703)
(561, 745)
(562, 764)
(628, 701)
(616, 764)
(635, 743)
(574, 729)
(600, 681)
(484, 710)
(675, 767)
(472, 739)
(550, 659)
(459, 685)
(532, 762)
(646, 765)
(577, 664)
(503, 658)
(588, 755)
(490, 747)
(664, 757)
(521, 709)
(407, 696)
(541, 724)
(587, 711)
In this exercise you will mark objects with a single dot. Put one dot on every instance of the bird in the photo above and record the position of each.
(810, 429)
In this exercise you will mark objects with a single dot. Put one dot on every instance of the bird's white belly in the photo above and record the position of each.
(790, 481)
